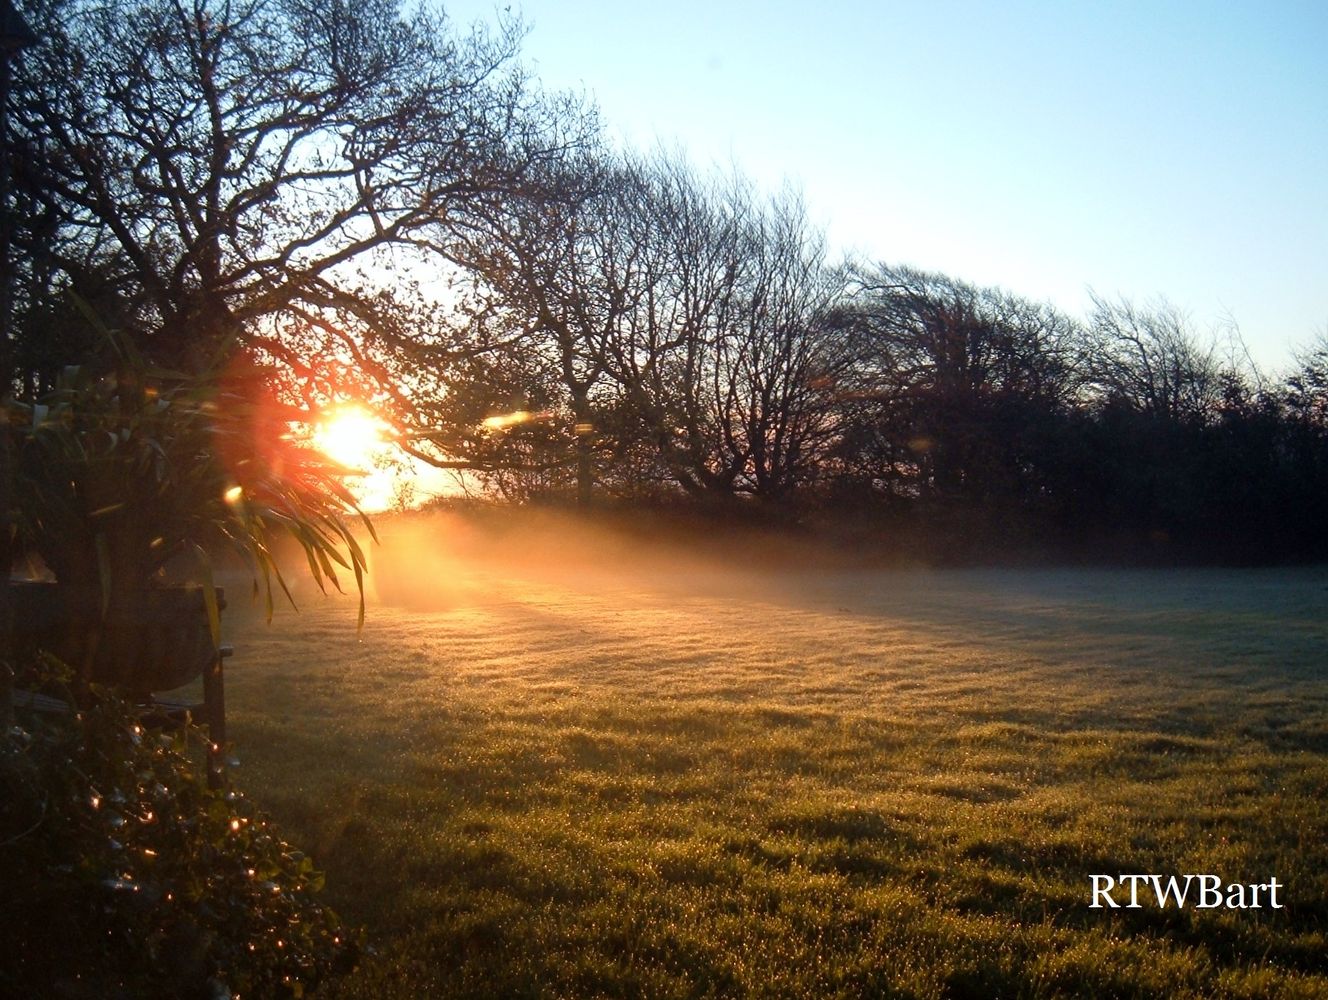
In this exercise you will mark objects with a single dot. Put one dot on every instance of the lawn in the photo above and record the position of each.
(571, 765)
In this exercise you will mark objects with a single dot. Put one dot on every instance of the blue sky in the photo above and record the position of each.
(1176, 149)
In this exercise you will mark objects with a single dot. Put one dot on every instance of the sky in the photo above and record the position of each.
(1140, 150)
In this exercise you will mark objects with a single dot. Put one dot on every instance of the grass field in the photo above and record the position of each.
(564, 766)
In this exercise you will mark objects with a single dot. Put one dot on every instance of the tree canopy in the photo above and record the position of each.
(375, 201)
(211, 173)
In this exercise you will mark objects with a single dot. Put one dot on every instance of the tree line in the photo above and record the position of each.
(381, 204)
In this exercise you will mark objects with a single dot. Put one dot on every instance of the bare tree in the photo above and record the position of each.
(217, 167)
(781, 358)
(558, 263)
(718, 361)
(1307, 385)
(1151, 359)
(679, 316)
(947, 378)
(664, 358)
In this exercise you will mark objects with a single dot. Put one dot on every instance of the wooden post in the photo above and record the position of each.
(214, 707)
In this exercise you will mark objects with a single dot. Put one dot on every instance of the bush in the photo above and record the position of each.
(125, 875)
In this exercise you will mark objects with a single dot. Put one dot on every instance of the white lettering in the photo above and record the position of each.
(1171, 891)
(1134, 888)
(1103, 891)
(1210, 887)
(1174, 890)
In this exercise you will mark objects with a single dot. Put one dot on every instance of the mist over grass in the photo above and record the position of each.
(572, 759)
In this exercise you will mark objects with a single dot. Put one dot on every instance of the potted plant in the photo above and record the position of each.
(130, 479)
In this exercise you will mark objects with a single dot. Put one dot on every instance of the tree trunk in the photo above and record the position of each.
(585, 470)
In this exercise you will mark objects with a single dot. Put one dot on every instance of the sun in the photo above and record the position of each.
(380, 475)
(352, 436)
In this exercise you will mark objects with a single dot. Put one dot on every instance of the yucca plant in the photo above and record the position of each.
(130, 479)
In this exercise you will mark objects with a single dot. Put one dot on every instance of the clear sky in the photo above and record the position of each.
(1142, 149)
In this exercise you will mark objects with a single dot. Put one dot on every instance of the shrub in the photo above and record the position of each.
(125, 875)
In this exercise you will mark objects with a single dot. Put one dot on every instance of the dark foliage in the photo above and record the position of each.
(564, 320)
(126, 876)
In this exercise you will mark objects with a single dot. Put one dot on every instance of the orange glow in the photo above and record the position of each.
(352, 436)
(506, 420)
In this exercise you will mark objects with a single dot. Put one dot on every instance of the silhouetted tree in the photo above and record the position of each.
(220, 169)
(953, 386)
(664, 360)
(1151, 360)
(557, 260)
(1307, 385)
(782, 357)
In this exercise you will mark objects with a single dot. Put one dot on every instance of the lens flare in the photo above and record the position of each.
(505, 420)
